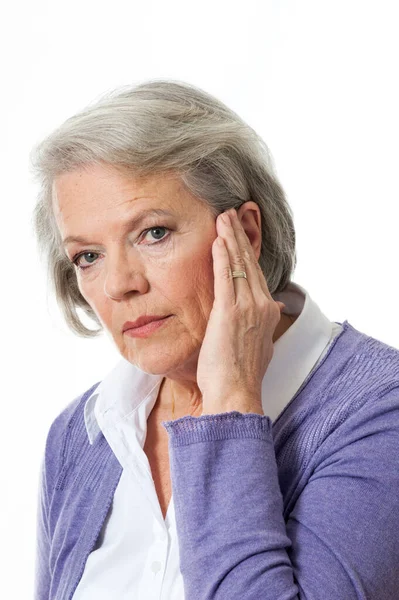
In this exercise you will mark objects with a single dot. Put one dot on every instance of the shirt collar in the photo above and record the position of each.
(295, 353)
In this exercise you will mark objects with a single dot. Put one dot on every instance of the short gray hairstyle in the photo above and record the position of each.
(156, 127)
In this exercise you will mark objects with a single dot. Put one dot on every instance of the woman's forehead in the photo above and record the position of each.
(110, 189)
(107, 195)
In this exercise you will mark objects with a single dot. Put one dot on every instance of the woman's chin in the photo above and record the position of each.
(155, 362)
(163, 358)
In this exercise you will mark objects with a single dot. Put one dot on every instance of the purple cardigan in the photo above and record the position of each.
(306, 508)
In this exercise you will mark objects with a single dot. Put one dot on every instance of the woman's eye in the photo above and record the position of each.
(76, 260)
(157, 231)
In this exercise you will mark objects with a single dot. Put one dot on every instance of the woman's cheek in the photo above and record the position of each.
(88, 289)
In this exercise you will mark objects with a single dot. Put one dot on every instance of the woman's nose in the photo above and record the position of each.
(124, 277)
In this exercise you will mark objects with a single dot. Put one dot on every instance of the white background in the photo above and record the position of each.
(318, 80)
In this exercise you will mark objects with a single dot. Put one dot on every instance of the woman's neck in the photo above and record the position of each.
(177, 400)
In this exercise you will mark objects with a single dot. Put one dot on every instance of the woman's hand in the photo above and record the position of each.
(237, 346)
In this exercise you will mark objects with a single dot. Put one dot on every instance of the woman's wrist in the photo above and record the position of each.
(242, 404)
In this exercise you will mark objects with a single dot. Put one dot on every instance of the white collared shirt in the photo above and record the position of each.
(136, 556)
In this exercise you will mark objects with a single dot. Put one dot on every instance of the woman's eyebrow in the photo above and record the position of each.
(130, 222)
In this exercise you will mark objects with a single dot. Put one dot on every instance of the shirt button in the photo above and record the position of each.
(156, 566)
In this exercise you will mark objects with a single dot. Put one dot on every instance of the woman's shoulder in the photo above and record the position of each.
(357, 364)
(357, 380)
(65, 428)
(370, 363)
(361, 388)
(72, 411)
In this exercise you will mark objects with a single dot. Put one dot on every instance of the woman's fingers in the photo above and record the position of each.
(223, 283)
(258, 283)
(240, 285)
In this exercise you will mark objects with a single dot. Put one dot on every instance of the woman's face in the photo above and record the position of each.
(163, 271)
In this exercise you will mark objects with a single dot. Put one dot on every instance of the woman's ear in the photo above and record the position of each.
(250, 218)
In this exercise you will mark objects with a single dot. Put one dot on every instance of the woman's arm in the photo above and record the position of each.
(340, 539)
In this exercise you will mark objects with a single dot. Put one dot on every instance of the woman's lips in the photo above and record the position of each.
(146, 330)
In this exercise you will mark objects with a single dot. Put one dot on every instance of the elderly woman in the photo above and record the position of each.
(244, 447)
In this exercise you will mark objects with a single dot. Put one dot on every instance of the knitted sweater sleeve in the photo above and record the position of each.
(340, 537)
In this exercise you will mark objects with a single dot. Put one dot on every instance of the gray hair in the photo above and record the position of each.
(151, 128)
